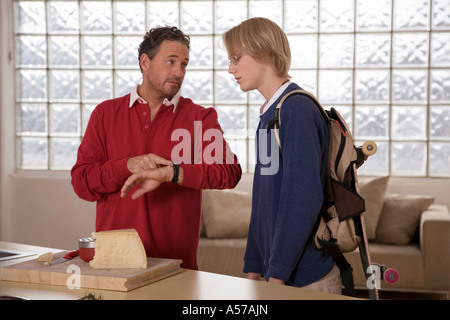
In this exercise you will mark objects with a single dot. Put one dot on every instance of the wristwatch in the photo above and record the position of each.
(176, 171)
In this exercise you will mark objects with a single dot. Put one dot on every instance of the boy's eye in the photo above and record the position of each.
(235, 60)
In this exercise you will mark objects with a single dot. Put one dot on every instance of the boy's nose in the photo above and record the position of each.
(231, 68)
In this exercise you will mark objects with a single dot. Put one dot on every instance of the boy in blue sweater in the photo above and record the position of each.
(288, 184)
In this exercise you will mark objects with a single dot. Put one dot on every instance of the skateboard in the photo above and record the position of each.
(365, 151)
(374, 271)
(390, 275)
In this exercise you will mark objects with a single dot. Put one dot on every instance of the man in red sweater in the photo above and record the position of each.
(163, 141)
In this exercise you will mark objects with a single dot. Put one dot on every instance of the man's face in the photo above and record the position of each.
(165, 72)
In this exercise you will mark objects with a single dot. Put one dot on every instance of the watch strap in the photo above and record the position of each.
(176, 171)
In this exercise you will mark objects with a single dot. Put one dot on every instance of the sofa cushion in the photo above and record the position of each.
(373, 191)
(400, 218)
(226, 213)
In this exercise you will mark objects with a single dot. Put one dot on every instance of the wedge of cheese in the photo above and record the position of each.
(46, 257)
(117, 249)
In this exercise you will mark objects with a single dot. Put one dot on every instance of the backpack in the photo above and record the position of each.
(340, 227)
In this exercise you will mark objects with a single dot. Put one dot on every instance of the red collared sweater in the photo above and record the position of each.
(168, 218)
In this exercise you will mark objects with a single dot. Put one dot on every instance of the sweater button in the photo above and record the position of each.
(144, 113)
(146, 126)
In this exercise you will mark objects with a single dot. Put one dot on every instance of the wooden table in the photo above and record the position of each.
(187, 285)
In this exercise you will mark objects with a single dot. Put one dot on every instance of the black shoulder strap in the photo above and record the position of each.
(276, 121)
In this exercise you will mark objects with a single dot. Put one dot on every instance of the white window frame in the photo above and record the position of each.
(8, 143)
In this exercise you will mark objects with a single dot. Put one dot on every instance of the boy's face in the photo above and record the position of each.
(248, 72)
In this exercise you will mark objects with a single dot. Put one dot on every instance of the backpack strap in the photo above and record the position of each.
(309, 95)
(276, 121)
(275, 124)
(344, 267)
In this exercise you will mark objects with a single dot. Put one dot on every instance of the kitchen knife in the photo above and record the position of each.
(66, 257)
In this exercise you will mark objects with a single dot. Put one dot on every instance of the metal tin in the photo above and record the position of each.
(86, 243)
(86, 247)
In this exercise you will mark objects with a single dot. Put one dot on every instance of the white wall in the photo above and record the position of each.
(46, 212)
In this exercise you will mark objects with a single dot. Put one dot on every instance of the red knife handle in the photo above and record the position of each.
(71, 254)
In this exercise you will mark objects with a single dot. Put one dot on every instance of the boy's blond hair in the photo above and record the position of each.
(263, 40)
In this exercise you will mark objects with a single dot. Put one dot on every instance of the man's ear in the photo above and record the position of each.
(144, 62)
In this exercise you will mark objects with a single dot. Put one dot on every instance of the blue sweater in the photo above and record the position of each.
(287, 196)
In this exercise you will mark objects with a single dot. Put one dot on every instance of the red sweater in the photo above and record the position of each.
(168, 218)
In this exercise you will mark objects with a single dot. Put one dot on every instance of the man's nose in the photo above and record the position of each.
(178, 71)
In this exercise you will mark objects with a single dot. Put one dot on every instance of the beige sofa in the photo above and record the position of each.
(407, 232)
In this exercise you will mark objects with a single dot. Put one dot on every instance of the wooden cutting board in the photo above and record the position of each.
(78, 273)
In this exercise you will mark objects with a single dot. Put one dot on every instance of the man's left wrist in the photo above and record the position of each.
(176, 172)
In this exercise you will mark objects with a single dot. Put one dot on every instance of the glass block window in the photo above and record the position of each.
(385, 65)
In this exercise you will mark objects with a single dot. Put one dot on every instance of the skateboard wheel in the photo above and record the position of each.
(369, 148)
(391, 275)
